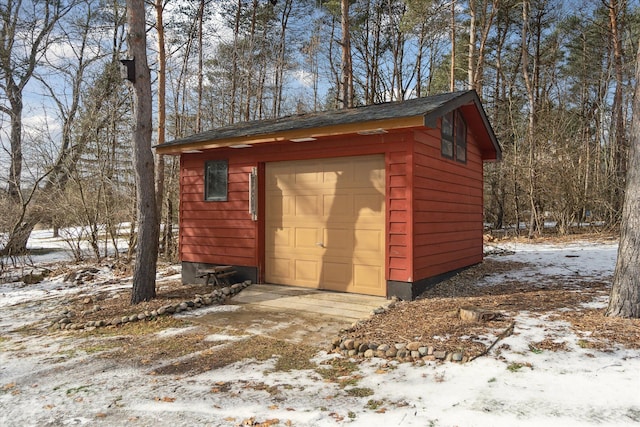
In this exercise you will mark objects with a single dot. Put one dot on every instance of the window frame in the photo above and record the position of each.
(216, 191)
(453, 137)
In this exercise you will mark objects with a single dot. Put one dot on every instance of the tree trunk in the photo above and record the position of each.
(144, 273)
(618, 140)
(452, 69)
(624, 300)
(162, 61)
(346, 89)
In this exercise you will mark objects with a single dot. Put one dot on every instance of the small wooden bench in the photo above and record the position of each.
(220, 274)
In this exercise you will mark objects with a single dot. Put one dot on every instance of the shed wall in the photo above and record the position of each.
(447, 208)
(223, 232)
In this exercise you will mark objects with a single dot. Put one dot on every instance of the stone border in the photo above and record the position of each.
(404, 352)
(401, 351)
(66, 319)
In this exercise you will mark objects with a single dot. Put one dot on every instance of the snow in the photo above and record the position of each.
(46, 379)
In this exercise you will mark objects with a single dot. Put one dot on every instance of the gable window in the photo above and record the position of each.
(216, 180)
(454, 137)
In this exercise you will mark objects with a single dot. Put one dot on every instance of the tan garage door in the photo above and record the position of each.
(325, 224)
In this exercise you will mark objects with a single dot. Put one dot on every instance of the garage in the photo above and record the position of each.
(325, 224)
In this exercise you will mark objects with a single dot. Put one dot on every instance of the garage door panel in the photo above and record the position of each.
(280, 268)
(307, 204)
(338, 242)
(367, 278)
(368, 241)
(306, 271)
(327, 218)
(307, 238)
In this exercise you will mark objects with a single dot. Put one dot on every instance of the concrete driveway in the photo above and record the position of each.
(290, 313)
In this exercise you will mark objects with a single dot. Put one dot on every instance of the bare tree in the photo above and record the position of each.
(24, 35)
(624, 300)
(144, 274)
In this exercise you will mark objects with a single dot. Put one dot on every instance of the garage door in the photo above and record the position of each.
(325, 224)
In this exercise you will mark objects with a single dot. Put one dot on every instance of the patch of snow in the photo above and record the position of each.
(49, 379)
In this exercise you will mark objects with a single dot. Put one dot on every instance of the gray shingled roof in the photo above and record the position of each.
(390, 110)
(429, 107)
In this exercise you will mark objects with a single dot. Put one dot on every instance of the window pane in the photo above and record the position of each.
(447, 135)
(461, 139)
(215, 180)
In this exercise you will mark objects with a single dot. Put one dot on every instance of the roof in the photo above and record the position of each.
(392, 115)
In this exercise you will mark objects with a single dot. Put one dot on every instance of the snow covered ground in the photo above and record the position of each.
(45, 380)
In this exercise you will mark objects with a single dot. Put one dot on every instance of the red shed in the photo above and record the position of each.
(382, 200)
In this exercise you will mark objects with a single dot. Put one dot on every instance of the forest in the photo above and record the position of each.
(555, 77)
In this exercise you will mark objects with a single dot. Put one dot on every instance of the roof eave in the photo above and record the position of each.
(315, 132)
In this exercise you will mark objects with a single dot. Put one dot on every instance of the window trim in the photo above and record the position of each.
(223, 186)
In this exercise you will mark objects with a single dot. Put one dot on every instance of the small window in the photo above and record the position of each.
(454, 137)
(447, 136)
(215, 180)
(461, 139)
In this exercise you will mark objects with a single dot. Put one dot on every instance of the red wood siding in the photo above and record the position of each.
(223, 232)
(447, 207)
(215, 232)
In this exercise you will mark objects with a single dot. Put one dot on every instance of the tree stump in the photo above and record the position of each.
(476, 314)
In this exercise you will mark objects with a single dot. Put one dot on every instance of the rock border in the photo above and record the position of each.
(404, 352)
(401, 351)
(65, 321)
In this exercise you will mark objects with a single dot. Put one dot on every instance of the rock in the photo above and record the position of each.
(373, 346)
(378, 310)
(64, 320)
(183, 306)
(352, 352)
(440, 354)
(154, 313)
(429, 358)
(476, 314)
(207, 300)
(457, 356)
(226, 291)
(348, 344)
(381, 353)
(189, 304)
(415, 354)
(116, 322)
(141, 316)
(134, 317)
(430, 350)
(162, 310)
(413, 346)
(392, 352)
(400, 346)
(383, 347)
(402, 353)
(369, 353)
(423, 351)
(87, 301)
(335, 342)
(362, 348)
(100, 323)
(448, 358)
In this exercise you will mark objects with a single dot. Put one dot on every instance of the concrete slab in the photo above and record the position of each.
(338, 305)
(290, 313)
